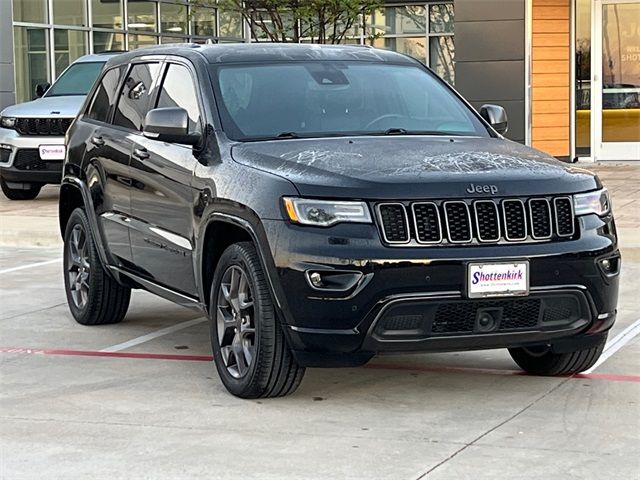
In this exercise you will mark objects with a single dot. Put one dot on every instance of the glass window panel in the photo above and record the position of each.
(107, 14)
(412, 46)
(583, 77)
(165, 39)
(135, 100)
(204, 21)
(34, 11)
(230, 25)
(138, 41)
(68, 45)
(178, 91)
(621, 73)
(441, 18)
(105, 97)
(441, 57)
(173, 18)
(401, 20)
(30, 61)
(77, 79)
(141, 15)
(69, 12)
(105, 41)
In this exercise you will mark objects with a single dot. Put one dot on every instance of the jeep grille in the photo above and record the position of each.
(43, 126)
(511, 220)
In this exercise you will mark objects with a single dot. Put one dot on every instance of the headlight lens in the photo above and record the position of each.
(324, 213)
(8, 122)
(593, 202)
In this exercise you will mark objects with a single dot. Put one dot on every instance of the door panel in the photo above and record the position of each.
(109, 180)
(162, 206)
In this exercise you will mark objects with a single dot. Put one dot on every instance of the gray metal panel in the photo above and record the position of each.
(7, 84)
(490, 56)
(479, 81)
(478, 10)
(497, 41)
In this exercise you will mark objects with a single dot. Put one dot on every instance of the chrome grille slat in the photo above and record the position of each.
(43, 126)
(477, 221)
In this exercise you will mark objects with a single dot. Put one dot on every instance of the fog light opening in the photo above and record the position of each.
(610, 266)
(333, 280)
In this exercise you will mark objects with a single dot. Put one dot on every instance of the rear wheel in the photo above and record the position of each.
(250, 351)
(94, 297)
(18, 193)
(541, 360)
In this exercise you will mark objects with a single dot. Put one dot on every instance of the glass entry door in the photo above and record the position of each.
(615, 69)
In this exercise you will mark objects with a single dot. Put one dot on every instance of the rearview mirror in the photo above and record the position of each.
(496, 116)
(41, 89)
(169, 125)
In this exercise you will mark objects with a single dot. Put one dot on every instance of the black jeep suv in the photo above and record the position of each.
(325, 204)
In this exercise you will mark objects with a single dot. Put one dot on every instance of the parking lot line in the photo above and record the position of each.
(617, 343)
(150, 336)
(30, 265)
(377, 366)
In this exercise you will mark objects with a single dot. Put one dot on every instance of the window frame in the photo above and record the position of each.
(196, 84)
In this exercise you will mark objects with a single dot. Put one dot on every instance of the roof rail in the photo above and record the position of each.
(106, 52)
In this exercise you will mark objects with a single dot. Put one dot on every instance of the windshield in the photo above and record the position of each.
(76, 80)
(317, 99)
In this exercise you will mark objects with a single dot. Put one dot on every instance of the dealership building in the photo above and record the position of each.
(567, 71)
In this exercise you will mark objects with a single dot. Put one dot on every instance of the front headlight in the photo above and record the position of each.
(324, 213)
(593, 202)
(8, 122)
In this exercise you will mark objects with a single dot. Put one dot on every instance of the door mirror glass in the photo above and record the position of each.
(169, 124)
(496, 116)
(41, 89)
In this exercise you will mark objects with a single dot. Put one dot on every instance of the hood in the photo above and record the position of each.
(62, 106)
(413, 167)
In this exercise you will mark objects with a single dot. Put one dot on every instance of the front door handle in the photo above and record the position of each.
(97, 141)
(141, 153)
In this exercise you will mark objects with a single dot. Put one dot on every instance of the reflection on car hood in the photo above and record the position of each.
(62, 106)
(412, 167)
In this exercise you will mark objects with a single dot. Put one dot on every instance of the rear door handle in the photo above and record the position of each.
(97, 141)
(141, 153)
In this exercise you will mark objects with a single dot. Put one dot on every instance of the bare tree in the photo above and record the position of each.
(314, 21)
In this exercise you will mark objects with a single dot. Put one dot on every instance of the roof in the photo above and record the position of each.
(258, 52)
(97, 57)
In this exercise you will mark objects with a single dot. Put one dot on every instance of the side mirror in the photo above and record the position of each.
(169, 125)
(41, 89)
(496, 116)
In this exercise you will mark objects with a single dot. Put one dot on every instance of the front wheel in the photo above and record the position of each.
(20, 194)
(541, 360)
(250, 351)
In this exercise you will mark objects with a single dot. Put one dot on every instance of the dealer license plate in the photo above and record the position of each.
(52, 152)
(497, 279)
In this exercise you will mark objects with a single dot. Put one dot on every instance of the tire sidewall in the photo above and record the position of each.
(235, 255)
(78, 217)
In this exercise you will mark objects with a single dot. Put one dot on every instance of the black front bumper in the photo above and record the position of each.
(29, 168)
(413, 299)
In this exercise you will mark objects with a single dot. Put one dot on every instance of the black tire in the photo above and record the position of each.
(248, 323)
(94, 297)
(542, 361)
(19, 194)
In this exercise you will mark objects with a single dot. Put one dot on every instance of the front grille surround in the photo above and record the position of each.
(57, 126)
(473, 221)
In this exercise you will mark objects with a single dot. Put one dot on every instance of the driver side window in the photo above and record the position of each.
(136, 96)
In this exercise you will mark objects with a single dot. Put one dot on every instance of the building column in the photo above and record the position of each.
(7, 82)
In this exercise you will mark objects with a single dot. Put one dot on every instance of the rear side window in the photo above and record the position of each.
(105, 97)
(137, 92)
(178, 90)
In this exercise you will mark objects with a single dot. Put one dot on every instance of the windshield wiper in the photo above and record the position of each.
(404, 131)
(288, 135)
(396, 131)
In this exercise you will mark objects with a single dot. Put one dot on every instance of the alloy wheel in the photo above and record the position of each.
(78, 267)
(235, 321)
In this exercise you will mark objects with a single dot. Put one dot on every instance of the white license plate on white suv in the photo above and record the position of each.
(497, 279)
(52, 152)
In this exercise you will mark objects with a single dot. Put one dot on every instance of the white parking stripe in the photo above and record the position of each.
(30, 265)
(617, 343)
(150, 336)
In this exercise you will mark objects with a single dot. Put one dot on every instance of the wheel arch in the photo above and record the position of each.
(70, 199)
